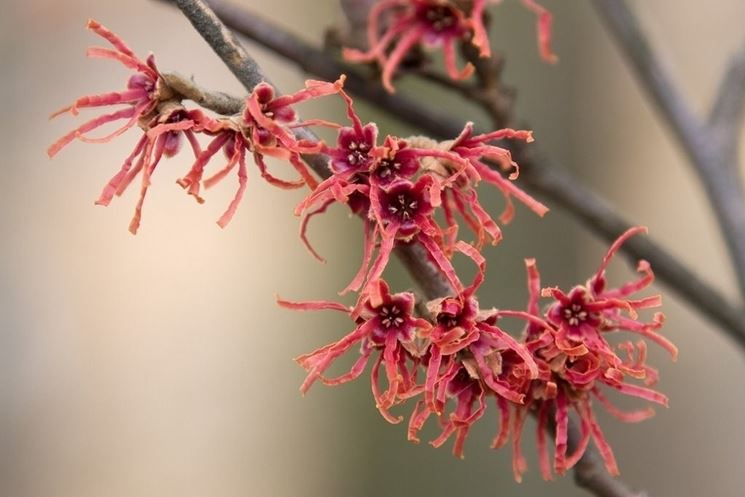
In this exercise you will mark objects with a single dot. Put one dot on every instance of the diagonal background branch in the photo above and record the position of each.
(725, 119)
(711, 146)
(539, 172)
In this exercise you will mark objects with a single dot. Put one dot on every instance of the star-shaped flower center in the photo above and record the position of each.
(357, 153)
(440, 17)
(403, 206)
(388, 168)
(575, 314)
(391, 316)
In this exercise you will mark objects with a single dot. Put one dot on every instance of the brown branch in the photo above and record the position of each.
(711, 146)
(538, 172)
(219, 102)
(223, 42)
(590, 473)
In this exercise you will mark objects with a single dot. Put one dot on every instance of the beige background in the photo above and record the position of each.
(158, 365)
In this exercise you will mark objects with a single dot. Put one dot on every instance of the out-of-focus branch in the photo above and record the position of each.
(725, 118)
(538, 172)
(711, 146)
(591, 474)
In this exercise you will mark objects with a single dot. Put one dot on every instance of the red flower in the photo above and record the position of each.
(269, 120)
(144, 91)
(384, 323)
(462, 197)
(434, 23)
(589, 311)
(163, 137)
(231, 141)
(402, 212)
(575, 360)
(461, 384)
(462, 330)
(265, 129)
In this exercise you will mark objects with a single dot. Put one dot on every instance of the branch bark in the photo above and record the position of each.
(538, 172)
(219, 102)
(711, 146)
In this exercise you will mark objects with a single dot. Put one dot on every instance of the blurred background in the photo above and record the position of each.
(159, 365)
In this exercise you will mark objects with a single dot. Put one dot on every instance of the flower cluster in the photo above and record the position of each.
(561, 364)
(264, 128)
(395, 27)
(449, 356)
(399, 185)
(568, 342)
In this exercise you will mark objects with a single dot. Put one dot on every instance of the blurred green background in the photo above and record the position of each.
(159, 365)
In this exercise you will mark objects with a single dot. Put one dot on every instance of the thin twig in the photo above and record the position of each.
(538, 172)
(591, 474)
(710, 146)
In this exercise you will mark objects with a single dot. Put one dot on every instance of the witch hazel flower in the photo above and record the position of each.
(575, 360)
(398, 200)
(265, 128)
(386, 325)
(429, 22)
(464, 363)
(462, 329)
(143, 92)
(462, 385)
(461, 177)
(587, 312)
(403, 212)
(269, 121)
(395, 27)
(163, 138)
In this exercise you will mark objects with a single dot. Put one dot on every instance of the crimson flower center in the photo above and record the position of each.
(448, 320)
(440, 17)
(388, 167)
(357, 153)
(391, 316)
(575, 314)
(403, 206)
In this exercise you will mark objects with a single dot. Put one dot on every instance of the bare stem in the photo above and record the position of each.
(538, 172)
(711, 146)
